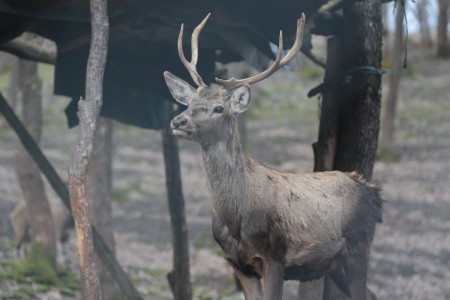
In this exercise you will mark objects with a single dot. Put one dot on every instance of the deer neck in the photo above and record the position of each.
(226, 169)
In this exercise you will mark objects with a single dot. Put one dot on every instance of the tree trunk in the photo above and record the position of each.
(89, 111)
(359, 116)
(179, 278)
(442, 34)
(390, 104)
(422, 16)
(40, 218)
(325, 148)
(100, 195)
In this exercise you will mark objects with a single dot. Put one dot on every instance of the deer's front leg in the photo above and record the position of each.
(272, 280)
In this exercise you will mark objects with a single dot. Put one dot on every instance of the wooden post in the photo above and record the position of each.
(89, 111)
(179, 278)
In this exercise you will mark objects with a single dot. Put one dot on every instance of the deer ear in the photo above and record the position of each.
(181, 91)
(241, 99)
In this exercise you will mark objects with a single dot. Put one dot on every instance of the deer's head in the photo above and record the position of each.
(210, 111)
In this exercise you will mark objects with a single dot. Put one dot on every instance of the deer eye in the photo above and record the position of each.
(218, 109)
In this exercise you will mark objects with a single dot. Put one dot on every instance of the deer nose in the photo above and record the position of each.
(178, 122)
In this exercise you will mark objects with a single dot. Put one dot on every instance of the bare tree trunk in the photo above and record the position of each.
(359, 118)
(40, 217)
(325, 148)
(390, 103)
(422, 16)
(89, 111)
(100, 195)
(179, 278)
(443, 45)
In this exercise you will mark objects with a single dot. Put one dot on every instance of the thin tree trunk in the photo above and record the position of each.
(179, 278)
(325, 148)
(39, 214)
(442, 34)
(422, 16)
(100, 195)
(390, 103)
(89, 111)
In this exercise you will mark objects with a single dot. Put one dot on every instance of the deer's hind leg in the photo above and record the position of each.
(355, 265)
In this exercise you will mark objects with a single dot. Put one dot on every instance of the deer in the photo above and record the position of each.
(273, 226)
(20, 221)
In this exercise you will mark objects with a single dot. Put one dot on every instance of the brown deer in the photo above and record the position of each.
(273, 226)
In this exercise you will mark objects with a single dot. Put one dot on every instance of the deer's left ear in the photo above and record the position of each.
(240, 99)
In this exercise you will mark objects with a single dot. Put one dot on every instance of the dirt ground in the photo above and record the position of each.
(410, 257)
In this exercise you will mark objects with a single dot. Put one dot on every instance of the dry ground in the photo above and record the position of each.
(411, 253)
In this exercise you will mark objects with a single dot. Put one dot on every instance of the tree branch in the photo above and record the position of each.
(33, 47)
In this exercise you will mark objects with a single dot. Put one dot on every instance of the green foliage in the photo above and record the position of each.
(120, 195)
(39, 269)
(24, 292)
(202, 294)
(387, 155)
(310, 72)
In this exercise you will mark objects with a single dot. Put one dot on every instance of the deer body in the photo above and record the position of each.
(274, 226)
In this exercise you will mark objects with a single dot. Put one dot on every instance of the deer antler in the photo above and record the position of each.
(231, 84)
(191, 66)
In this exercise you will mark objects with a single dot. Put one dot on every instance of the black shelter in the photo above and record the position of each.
(142, 44)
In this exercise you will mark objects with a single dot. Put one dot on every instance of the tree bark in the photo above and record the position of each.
(443, 45)
(179, 278)
(325, 148)
(390, 103)
(100, 195)
(33, 190)
(89, 111)
(359, 116)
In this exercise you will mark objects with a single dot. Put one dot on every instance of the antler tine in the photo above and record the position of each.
(191, 66)
(231, 84)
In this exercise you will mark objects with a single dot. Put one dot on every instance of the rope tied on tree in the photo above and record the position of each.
(331, 81)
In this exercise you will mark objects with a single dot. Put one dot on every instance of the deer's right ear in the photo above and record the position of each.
(181, 91)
